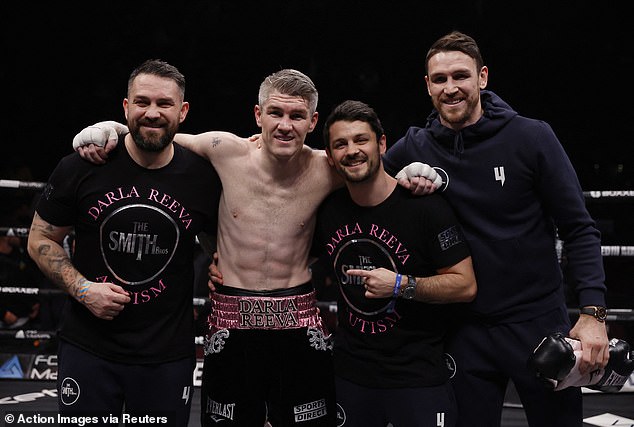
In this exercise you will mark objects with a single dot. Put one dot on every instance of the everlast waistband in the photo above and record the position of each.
(264, 310)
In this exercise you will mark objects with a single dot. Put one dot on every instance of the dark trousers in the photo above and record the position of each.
(359, 406)
(487, 356)
(94, 387)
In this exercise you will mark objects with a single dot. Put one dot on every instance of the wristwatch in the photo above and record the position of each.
(410, 289)
(599, 313)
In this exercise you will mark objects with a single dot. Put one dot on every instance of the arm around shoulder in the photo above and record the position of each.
(93, 143)
(212, 144)
(100, 134)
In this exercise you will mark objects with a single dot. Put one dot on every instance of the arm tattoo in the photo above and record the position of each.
(54, 261)
(215, 141)
(61, 271)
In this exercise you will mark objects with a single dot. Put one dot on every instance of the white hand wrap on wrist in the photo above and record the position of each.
(99, 134)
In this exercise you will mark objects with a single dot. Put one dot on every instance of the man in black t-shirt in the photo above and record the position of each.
(398, 261)
(127, 336)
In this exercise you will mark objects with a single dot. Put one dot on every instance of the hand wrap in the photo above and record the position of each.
(418, 169)
(99, 134)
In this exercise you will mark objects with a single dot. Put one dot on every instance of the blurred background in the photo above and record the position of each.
(65, 65)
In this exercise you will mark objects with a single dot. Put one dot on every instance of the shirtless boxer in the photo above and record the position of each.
(267, 355)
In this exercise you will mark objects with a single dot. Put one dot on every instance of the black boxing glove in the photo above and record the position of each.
(619, 367)
(553, 359)
(551, 362)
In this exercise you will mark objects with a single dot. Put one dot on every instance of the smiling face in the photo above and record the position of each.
(454, 83)
(154, 109)
(354, 150)
(285, 121)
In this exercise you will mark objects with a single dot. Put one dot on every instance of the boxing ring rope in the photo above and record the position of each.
(608, 194)
(21, 185)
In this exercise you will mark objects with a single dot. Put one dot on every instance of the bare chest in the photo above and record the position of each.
(270, 203)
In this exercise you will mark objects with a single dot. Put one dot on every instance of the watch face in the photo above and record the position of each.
(408, 293)
(601, 313)
(410, 289)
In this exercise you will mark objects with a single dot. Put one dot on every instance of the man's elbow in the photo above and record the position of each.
(470, 291)
(31, 248)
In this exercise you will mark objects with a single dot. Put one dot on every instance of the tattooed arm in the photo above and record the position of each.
(104, 300)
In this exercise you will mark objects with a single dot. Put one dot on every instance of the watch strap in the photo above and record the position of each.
(598, 312)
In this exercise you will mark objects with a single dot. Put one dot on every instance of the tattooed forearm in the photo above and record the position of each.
(58, 267)
(46, 250)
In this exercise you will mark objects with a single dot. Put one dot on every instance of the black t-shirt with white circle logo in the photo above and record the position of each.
(135, 227)
(377, 343)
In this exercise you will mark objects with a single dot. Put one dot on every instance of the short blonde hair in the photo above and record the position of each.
(289, 82)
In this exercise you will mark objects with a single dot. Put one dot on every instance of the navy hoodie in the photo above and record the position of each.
(515, 192)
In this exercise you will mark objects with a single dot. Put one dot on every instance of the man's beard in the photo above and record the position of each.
(372, 167)
(460, 118)
(153, 143)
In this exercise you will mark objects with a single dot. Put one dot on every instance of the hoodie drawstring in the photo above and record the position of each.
(458, 144)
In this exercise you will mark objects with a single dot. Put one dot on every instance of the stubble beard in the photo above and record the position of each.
(457, 120)
(371, 170)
